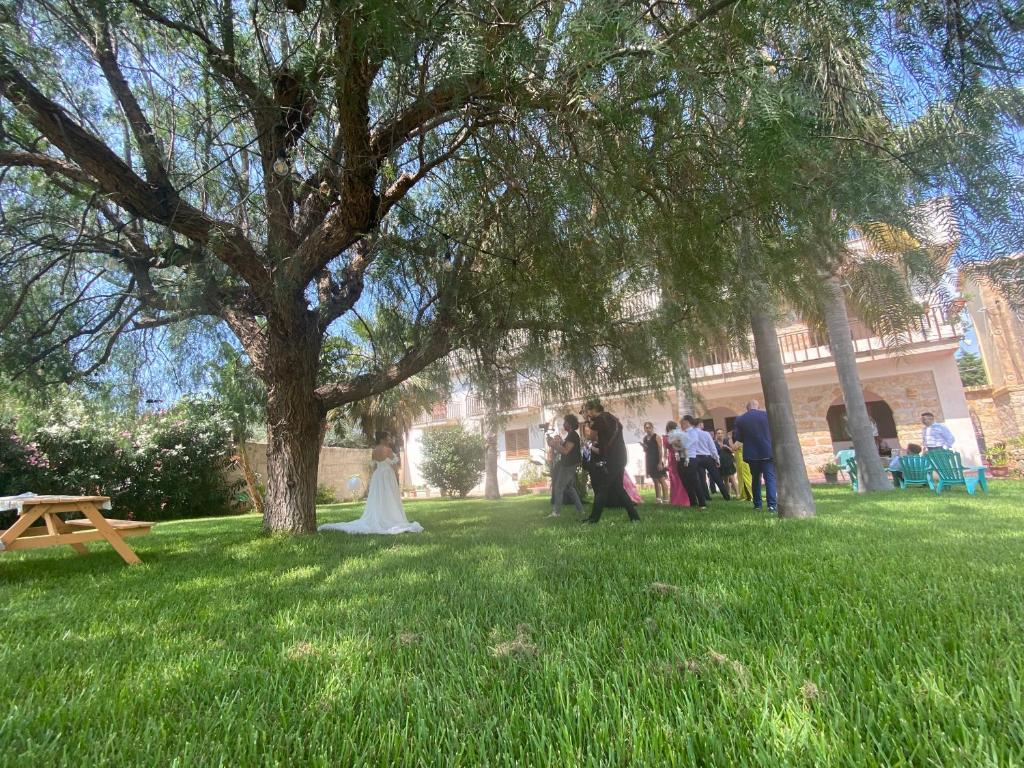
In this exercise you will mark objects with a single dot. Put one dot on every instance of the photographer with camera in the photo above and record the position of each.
(563, 470)
(609, 450)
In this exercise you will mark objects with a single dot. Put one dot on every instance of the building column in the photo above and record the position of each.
(955, 413)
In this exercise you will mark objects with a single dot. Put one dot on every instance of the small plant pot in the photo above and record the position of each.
(831, 477)
(999, 471)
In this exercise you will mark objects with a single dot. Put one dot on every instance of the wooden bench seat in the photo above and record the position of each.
(123, 527)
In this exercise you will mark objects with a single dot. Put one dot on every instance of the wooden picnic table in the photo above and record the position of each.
(56, 531)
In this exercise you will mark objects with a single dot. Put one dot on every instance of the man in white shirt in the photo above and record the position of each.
(691, 438)
(684, 447)
(936, 434)
(708, 461)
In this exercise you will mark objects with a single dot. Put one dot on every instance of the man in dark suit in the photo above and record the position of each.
(610, 448)
(752, 430)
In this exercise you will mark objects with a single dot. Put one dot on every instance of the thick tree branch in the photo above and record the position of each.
(103, 50)
(344, 296)
(12, 158)
(406, 181)
(437, 342)
(123, 186)
(251, 335)
(445, 99)
(415, 359)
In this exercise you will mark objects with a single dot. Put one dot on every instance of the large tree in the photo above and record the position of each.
(279, 168)
(238, 161)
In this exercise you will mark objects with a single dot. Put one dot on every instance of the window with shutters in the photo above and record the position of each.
(517, 443)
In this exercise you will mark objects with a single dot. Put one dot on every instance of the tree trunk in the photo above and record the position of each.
(870, 474)
(251, 485)
(295, 420)
(681, 376)
(794, 489)
(491, 490)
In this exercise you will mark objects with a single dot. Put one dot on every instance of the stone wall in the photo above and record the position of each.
(337, 465)
(997, 412)
(997, 409)
(907, 394)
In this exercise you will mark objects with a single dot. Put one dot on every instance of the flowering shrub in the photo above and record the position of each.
(169, 464)
(22, 465)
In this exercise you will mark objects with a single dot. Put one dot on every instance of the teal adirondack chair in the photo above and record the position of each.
(851, 470)
(917, 470)
(842, 458)
(951, 472)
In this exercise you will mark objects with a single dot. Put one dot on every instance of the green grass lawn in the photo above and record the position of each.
(887, 631)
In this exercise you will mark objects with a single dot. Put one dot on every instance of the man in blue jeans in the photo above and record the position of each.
(752, 430)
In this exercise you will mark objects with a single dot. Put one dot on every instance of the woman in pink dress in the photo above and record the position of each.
(677, 493)
(630, 487)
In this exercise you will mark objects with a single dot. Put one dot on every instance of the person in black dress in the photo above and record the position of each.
(563, 475)
(610, 449)
(654, 456)
(592, 464)
(727, 461)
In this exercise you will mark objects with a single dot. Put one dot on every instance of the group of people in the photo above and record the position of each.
(710, 463)
(686, 464)
(934, 436)
(601, 450)
(696, 464)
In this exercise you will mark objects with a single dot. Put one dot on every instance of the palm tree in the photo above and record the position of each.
(395, 410)
(878, 281)
(870, 475)
(794, 488)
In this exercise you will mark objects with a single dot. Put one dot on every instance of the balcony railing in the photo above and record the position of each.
(798, 347)
(527, 396)
(641, 304)
(441, 413)
(808, 346)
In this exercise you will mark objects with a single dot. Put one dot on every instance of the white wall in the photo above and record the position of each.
(955, 412)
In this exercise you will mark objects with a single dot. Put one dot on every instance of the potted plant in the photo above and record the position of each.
(531, 478)
(831, 472)
(998, 459)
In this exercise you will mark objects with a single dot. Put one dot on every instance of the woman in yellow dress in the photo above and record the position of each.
(742, 471)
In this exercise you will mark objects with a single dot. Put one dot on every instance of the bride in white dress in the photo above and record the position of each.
(383, 513)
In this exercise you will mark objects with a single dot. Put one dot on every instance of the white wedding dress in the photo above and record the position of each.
(383, 513)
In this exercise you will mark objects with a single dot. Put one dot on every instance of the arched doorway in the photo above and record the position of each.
(880, 414)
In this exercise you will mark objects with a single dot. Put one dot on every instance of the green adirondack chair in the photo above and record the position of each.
(842, 457)
(917, 470)
(951, 471)
(851, 470)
